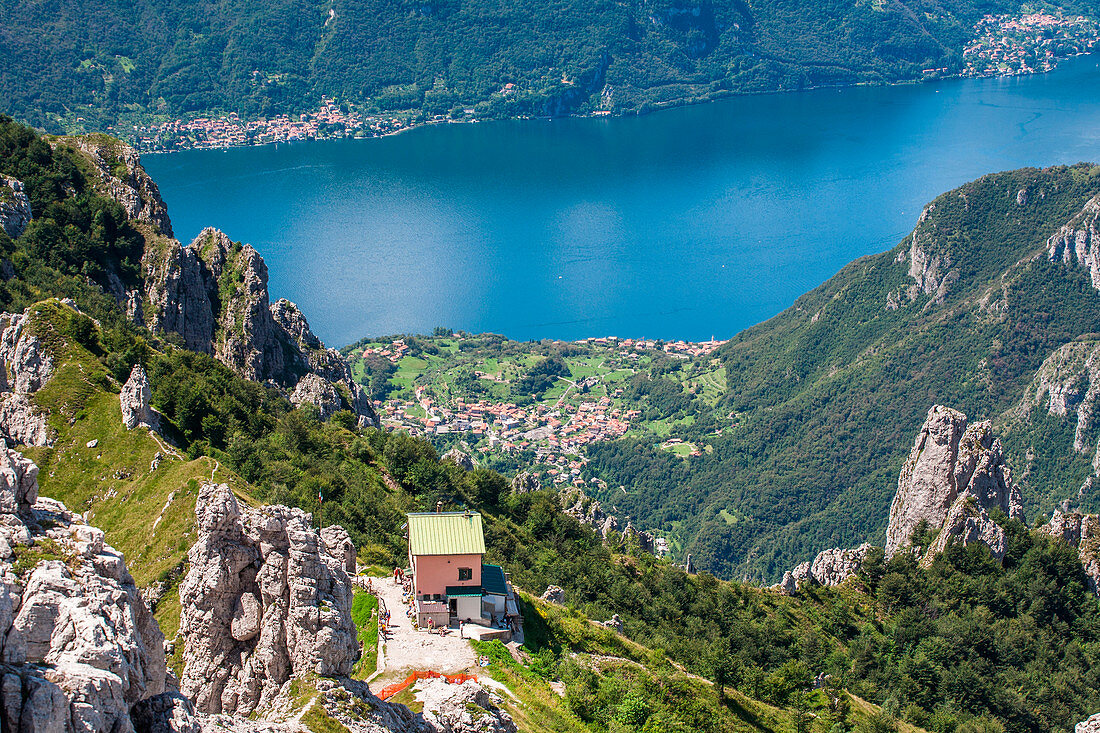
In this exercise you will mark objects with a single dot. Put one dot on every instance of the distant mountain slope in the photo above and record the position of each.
(826, 396)
(71, 64)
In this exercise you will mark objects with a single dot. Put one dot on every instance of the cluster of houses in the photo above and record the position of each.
(564, 428)
(328, 121)
(631, 348)
(395, 352)
(1026, 44)
(451, 582)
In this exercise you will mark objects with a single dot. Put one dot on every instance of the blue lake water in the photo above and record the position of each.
(686, 223)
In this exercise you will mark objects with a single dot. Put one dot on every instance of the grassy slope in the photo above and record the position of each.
(147, 515)
(678, 701)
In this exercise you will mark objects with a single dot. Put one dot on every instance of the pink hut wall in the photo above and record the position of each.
(433, 573)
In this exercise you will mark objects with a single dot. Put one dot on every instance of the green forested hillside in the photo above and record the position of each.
(966, 645)
(73, 65)
(825, 398)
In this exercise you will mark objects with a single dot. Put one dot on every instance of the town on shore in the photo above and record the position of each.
(1001, 45)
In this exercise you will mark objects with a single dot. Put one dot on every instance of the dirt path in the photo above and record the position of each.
(408, 649)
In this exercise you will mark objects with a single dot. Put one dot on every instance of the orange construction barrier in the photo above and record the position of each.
(454, 679)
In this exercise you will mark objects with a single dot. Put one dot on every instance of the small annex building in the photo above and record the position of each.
(450, 581)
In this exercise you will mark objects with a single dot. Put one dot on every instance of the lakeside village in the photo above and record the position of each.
(330, 121)
(557, 431)
(1011, 45)
(1002, 45)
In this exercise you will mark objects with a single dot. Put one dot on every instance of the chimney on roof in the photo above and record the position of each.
(439, 507)
(467, 513)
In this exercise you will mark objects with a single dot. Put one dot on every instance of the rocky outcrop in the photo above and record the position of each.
(525, 483)
(830, 568)
(312, 390)
(1083, 532)
(15, 207)
(952, 462)
(633, 535)
(26, 367)
(1067, 385)
(263, 600)
(79, 649)
(1077, 243)
(213, 293)
(460, 458)
(833, 567)
(1092, 725)
(465, 708)
(968, 523)
(125, 180)
(588, 512)
(135, 398)
(553, 594)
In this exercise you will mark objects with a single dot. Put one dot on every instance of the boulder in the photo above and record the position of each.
(951, 461)
(553, 594)
(833, 567)
(15, 207)
(464, 708)
(263, 599)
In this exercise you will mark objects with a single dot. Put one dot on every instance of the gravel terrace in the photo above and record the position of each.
(407, 649)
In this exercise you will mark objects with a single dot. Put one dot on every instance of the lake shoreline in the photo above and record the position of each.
(698, 222)
(662, 107)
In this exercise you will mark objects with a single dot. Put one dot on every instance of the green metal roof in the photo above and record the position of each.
(446, 533)
(492, 580)
(454, 591)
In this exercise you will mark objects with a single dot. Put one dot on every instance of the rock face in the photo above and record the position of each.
(1068, 385)
(134, 399)
(525, 483)
(952, 463)
(30, 366)
(930, 267)
(125, 180)
(312, 390)
(263, 600)
(1077, 242)
(460, 458)
(465, 708)
(15, 207)
(1083, 532)
(213, 294)
(80, 650)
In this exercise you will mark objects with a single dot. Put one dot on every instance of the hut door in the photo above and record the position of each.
(454, 606)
